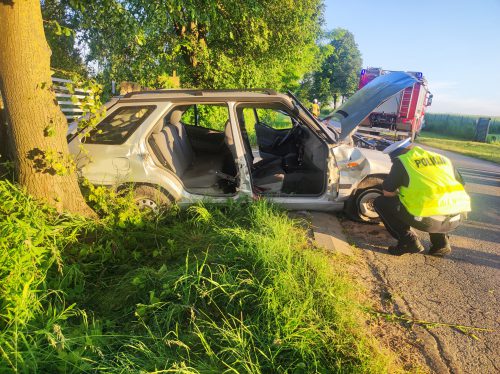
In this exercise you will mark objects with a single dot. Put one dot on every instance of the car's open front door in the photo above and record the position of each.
(274, 131)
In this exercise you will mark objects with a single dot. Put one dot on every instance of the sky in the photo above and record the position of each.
(454, 43)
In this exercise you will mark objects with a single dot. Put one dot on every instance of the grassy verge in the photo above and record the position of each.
(211, 289)
(485, 151)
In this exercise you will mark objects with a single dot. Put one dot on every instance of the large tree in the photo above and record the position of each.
(342, 67)
(37, 125)
(339, 72)
(210, 43)
(4, 143)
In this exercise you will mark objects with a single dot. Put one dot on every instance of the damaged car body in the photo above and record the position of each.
(185, 146)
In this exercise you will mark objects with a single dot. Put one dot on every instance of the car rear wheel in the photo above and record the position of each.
(151, 198)
(360, 207)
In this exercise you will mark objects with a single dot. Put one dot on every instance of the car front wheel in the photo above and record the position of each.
(360, 206)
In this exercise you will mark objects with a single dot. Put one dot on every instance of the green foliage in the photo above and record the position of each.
(338, 74)
(211, 289)
(118, 208)
(209, 116)
(60, 32)
(457, 125)
(31, 240)
(493, 139)
(211, 44)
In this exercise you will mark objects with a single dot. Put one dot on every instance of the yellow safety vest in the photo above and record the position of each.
(433, 189)
(315, 109)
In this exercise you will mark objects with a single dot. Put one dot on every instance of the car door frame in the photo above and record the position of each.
(324, 202)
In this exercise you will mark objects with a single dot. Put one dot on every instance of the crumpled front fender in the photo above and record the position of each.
(355, 164)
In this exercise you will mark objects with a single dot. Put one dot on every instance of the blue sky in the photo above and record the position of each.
(456, 44)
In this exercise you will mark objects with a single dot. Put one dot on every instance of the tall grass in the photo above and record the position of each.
(457, 125)
(210, 289)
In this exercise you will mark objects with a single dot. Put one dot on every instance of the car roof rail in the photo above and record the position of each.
(200, 92)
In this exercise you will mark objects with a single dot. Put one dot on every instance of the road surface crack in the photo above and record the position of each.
(440, 361)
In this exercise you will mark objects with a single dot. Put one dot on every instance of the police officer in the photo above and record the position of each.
(423, 190)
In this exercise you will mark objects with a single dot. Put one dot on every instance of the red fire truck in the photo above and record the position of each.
(403, 112)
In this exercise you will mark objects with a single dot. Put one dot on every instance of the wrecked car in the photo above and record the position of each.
(184, 146)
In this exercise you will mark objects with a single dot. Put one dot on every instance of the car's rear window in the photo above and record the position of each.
(119, 125)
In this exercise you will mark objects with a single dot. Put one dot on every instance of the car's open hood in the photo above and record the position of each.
(363, 102)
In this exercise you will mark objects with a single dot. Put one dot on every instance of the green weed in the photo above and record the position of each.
(233, 288)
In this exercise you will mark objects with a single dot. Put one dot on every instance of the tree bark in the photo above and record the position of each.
(37, 126)
(5, 154)
(335, 97)
(195, 34)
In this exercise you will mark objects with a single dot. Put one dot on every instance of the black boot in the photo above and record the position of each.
(410, 246)
(440, 245)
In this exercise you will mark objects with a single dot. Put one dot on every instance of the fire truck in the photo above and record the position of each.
(403, 113)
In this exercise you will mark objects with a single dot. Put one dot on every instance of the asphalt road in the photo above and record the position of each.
(461, 289)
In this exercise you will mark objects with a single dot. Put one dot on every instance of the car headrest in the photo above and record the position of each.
(176, 115)
(158, 127)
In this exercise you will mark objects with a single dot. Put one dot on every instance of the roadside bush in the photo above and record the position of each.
(209, 289)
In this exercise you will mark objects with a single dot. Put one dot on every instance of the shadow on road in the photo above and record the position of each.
(376, 239)
(478, 230)
(474, 257)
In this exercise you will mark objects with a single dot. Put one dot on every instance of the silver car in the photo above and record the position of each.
(189, 145)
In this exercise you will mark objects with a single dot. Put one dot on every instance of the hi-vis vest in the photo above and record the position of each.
(433, 189)
(315, 109)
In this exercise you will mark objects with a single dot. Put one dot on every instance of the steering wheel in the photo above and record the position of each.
(287, 136)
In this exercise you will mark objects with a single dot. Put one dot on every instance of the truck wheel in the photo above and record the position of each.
(151, 198)
(359, 207)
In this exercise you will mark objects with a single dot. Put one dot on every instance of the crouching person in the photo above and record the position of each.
(423, 190)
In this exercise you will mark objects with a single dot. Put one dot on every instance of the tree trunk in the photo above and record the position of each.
(193, 56)
(37, 126)
(335, 97)
(5, 154)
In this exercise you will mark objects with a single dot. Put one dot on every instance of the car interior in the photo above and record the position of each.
(196, 143)
(285, 155)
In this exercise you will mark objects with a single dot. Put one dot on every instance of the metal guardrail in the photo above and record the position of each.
(70, 103)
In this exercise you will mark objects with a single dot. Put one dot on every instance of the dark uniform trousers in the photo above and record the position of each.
(398, 222)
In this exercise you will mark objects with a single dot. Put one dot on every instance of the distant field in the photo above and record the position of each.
(457, 125)
(485, 151)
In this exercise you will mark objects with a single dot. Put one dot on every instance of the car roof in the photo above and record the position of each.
(192, 94)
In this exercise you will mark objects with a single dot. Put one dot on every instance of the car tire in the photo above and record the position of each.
(359, 207)
(152, 198)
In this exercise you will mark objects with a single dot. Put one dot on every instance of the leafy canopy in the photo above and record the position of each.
(209, 43)
(338, 74)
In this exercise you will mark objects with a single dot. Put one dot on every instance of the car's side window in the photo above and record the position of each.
(119, 125)
(274, 118)
(210, 116)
